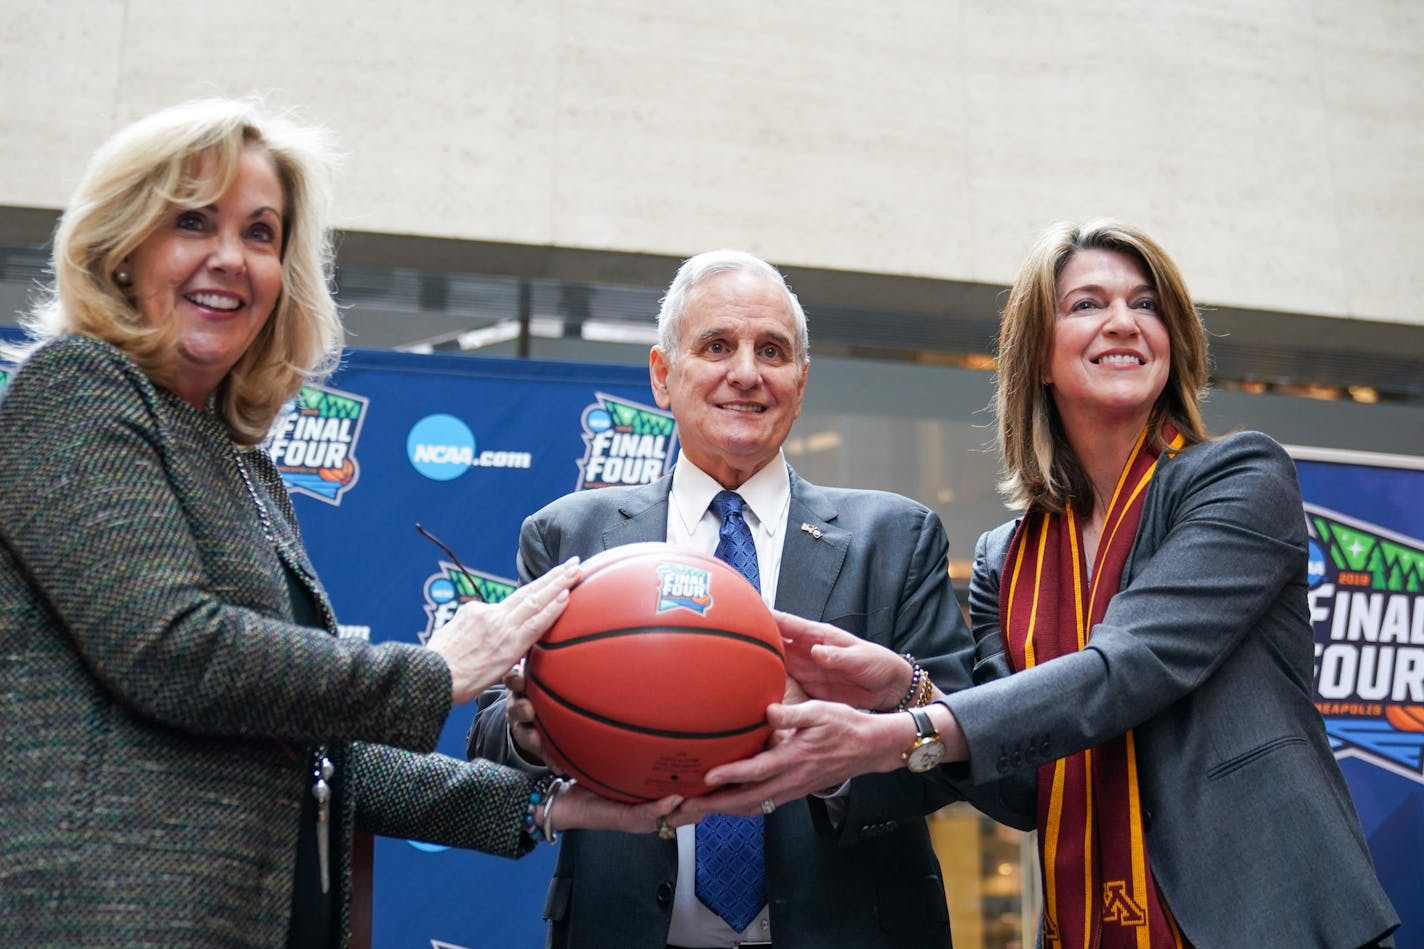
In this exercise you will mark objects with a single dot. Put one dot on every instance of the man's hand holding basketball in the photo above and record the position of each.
(519, 713)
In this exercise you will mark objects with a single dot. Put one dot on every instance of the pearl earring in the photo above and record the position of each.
(122, 277)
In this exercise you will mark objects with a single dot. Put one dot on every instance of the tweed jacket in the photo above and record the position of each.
(1206, 652)
(156, 702)
(875, 566)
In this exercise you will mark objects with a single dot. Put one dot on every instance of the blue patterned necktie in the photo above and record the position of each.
(731, 862)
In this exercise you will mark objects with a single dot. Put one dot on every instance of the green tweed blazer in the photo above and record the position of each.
(155, 697)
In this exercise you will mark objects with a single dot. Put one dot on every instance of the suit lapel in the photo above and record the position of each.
(643, 515)
(812, 555)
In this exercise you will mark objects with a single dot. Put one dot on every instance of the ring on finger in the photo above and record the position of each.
(767, 806)
(664, 831)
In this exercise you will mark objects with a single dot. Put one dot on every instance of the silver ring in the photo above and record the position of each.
(767, 806)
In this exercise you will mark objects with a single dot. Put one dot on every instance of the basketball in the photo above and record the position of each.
(661, 667)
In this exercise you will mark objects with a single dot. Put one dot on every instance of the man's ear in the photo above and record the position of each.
(658, 367)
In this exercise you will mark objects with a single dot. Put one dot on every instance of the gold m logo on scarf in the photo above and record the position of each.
(1119, 907)
(1050, 930)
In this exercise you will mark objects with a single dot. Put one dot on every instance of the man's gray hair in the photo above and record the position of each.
(696, 270)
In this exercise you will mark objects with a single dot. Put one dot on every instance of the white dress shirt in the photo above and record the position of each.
(690, 524)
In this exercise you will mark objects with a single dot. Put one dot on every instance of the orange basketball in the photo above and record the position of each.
(661, 666)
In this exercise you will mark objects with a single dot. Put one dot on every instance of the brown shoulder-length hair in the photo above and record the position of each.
(1039, 466)
(183, 157)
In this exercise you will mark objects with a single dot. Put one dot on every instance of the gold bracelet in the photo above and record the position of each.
(925, 692)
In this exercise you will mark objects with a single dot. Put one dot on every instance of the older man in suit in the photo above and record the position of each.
(852, 867)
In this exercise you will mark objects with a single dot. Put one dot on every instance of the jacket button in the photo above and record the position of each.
(665, 891)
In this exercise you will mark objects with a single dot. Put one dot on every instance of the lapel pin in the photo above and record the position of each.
(813, 531)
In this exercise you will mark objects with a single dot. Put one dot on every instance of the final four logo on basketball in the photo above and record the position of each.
(313, 442)
(625, 443)
(681, 586)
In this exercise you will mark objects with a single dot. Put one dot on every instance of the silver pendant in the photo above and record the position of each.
(321, 790)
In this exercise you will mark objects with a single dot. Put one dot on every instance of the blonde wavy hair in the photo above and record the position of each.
(185, 157)
(1039, 466)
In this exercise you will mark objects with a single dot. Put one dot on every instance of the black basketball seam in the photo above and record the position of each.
(583, 774)
(641, 729)
(649, 630)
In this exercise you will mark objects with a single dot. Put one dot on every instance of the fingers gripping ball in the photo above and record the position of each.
(661, 667)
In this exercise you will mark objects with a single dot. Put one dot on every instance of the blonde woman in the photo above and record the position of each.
(187, 745)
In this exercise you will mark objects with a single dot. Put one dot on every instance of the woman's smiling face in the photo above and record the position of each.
(215, 271)
(1111, 349)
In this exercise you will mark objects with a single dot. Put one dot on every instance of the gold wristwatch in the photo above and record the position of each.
(927, 750)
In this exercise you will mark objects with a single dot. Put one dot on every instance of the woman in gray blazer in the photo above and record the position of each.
(187, 744)
(1143, 641)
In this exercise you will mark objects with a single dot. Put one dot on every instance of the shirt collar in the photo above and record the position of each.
(767, 494)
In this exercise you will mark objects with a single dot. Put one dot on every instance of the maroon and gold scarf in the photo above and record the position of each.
(1098, 887)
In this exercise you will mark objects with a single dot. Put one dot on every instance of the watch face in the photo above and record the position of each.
(925, 756)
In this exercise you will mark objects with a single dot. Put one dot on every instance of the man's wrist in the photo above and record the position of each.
(519, 759)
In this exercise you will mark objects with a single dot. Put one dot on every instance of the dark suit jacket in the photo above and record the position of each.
(1206, 652)
(156, 701)
(879, 570)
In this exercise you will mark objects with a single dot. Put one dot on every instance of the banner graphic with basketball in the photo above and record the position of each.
(1366, 577)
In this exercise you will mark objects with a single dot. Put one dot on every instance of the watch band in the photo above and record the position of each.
(927, 749)
(924, 725)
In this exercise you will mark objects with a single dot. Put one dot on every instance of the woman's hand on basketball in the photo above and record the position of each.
(581, 809)
(818, 745)
(519, 714)
(483, 640)
(832, 664)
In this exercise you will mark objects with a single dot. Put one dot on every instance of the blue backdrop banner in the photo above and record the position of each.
(1366, 579)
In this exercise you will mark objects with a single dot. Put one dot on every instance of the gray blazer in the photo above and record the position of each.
(878, 569)
(156, 701)
(1207, 652)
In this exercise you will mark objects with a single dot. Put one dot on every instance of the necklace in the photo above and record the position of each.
(322, 768)
(252, 493)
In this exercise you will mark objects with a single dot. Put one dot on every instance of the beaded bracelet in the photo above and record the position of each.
(921, 688)
(537, 795)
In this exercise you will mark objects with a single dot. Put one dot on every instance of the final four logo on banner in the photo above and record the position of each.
(1367, 606)
(625, 443)
(451, 588)
(313, 442)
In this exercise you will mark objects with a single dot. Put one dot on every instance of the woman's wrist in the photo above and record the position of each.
(538, 822)
(918, 691)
